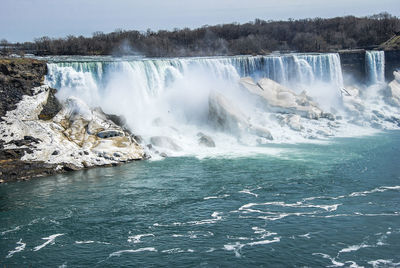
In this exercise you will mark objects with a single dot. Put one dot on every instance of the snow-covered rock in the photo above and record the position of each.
(227, 117)
(280, 99)
(394, 90)
(77, 137)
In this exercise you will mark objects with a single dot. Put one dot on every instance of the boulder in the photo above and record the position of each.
(280, 99)
(393, 90)
(51, 107)
(227, 117)
(205, 140)
(224, 115)
(351, 101)
(165, 142)
(294, 122)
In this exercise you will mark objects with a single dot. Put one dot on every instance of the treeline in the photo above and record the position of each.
(257, 37)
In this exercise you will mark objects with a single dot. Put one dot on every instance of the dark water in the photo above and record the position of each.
(336, 204)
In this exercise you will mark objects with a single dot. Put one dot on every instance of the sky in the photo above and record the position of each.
(24, 20)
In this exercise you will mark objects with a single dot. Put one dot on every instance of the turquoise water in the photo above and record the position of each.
(314, 205)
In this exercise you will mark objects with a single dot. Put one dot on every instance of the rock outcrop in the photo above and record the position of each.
(165, 142)
(393, 93)
(39, 136)
(205, 140)
(227, 117)
(17, 78)
(280, 99)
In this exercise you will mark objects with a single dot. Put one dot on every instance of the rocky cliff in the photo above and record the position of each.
(354, 65)
(40, 136)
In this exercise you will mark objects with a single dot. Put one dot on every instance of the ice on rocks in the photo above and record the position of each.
(81, 136)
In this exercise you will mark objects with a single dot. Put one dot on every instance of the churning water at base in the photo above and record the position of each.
(171, 97)
(326, 205)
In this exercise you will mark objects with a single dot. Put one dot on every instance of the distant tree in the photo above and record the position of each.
(4, 46)
(256, 37)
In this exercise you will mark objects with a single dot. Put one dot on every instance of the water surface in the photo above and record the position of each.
(314, 205)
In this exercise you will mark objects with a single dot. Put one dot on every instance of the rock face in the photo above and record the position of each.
(394, 90)
(227, 117)
(39, 136)
(165, 142)
(17, 78)
(353, 65)
(352, 101)
(51, 107)
(205, 140)
(392, 63)
(280, 99)
(353, 61)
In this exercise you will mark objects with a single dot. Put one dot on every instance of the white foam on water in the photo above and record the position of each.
(239, 238)
(136, 238)
(307, 235)
(264, 242)
(21, 246)
(173, 250)
(92, 242)
(376, 190)
(195, 234)
(64, 265)
(355, 248)
(299, 204)
(247, 191)
(333, 260)
(215, 218)
(383, 263)
(120, 252)
(263, 232)
(380, 189)
(353, 264)
(237, 247)
(50, 240)
(85, 242)
(216, 197)
(11, 230)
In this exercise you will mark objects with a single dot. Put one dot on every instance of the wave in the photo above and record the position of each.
(21, 246)
(50, 240)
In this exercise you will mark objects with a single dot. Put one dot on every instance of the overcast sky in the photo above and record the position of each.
(24, 20)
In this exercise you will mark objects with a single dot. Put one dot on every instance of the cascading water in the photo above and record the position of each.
(303, 69)
(375, 66)
(171, 97)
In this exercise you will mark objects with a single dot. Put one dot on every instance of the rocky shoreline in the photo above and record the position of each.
(39, 136)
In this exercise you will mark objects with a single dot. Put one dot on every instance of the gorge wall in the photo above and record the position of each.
(354, 65)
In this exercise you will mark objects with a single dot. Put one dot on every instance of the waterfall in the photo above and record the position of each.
(155, 74)
(141, 80)
(170, 96)
(375, 66)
